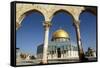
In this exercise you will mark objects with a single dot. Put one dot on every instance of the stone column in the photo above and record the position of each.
(46, 25)
(79, 42)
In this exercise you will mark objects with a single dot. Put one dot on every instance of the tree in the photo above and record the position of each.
(32, 57)
(23, 56)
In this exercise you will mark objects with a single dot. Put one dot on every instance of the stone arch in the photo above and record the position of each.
(92, 10)
(67, 13)
(18, 24)
(74, 12)
(63, 10)
(23, 9)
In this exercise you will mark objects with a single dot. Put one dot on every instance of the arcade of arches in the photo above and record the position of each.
(48, 12)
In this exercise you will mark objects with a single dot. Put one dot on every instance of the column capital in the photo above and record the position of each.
(77, 23)
(17, 25)
(47, 24)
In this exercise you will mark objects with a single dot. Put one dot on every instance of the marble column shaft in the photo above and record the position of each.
(46, 38)
(79, 42)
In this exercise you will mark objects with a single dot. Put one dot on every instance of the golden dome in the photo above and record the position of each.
(60, 34)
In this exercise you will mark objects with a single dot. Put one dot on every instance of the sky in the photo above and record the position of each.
(31, 32)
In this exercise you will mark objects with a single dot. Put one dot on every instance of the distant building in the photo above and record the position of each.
(90, 52)
(59, 47)
(18, 58)
(21, 56)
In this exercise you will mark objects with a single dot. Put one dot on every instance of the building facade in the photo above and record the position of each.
(59, 47)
